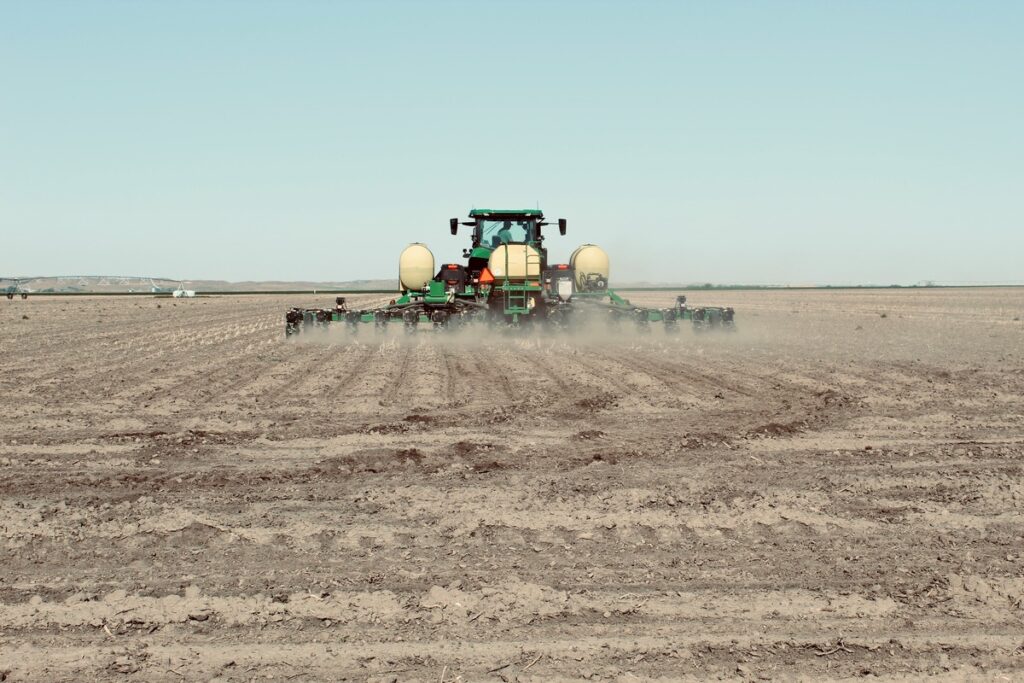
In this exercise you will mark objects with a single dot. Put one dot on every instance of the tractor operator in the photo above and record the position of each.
(504, 235)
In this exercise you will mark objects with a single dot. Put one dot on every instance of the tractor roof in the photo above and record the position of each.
(502, 213)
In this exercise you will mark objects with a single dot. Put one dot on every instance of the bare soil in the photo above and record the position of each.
(833, 491)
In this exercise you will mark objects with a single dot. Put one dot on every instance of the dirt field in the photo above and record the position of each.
(833, 491)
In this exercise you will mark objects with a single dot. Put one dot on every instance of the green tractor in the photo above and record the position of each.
(506, 280)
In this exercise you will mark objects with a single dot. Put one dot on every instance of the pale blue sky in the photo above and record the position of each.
(726, 142)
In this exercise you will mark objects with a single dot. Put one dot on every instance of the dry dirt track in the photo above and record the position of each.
(827, 493)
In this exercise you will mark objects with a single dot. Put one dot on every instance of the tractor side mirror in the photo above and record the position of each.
(561, 226)
(454, 223)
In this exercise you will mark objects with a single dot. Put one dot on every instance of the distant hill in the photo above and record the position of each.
(278, 285)
(104, 284)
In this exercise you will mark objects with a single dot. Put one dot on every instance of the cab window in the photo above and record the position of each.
(496, 233)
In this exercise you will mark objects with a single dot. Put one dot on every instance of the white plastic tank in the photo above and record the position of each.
(523, 262)
(591, 265)
(415, 266)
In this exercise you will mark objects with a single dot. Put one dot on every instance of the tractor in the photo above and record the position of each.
(506, 280)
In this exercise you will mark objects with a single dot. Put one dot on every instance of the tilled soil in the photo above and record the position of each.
(832, 491)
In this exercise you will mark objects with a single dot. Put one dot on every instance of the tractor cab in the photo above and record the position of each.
(494, 227)
(492, 231)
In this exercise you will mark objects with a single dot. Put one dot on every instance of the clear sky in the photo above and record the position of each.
(779, 142)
